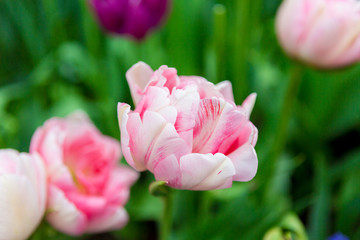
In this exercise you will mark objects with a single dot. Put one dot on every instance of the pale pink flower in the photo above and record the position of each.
(87, 189)
(324, 33)
(22, 194)
(187, 131)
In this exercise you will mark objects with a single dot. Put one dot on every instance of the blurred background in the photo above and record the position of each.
(54, 58)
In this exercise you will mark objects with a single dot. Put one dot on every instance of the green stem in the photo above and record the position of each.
(219, 12)
(92, 33)
(283, 123)
(160, 189)
(166, 220)
(241, 38)
(204, 205)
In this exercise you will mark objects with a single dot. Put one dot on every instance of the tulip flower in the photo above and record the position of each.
(126, 17)
(186, 130)
(323, 33)
(22, 194)
(87, 188)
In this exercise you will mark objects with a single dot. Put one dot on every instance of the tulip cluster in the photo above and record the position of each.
(186, 130)
(72, 173)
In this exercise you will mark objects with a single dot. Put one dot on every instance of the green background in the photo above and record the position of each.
(54, 59)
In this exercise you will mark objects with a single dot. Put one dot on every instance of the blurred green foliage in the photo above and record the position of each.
(55, 59)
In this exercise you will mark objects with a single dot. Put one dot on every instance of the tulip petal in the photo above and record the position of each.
(18, 218)
(186, 102)
(157, 100)
(220, 125)
(168, 170)
(166, 143)
(225, 88)
(249, 103)
(63, 215)
(111, 219)
(245, 161)
(120, 181)
(138, 76)
(206, 171)
(143, 139)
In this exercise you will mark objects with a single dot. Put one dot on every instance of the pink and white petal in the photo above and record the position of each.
(225, 88)
(249, 103)
(253, 136)
(47, 141)
(88, 204)
(117, 189)
(20, 212)
(206, 171)
(186, 101)
(123, 117)
(33, 166)
(166, 143)
(165, 77)
(138, 76)
(63, 215)
(112, 218)
(8, 161)
(168, 170)
(157, 100)
(139, 136)
(245, 161)
(62, 178)
(246, 132)
(205, 88)
(218, 125)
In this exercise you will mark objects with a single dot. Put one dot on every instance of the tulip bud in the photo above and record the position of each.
(323, 33)
(22, 194)
(128, 17)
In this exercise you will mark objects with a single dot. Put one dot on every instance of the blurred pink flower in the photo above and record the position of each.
(87, 189)
(324, 33)
(186, 130)
(130, 17)
(22, 193)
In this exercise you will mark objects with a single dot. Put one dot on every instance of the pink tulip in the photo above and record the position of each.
(22, 194)
(187, 131)
(87, 188)
(324, 33)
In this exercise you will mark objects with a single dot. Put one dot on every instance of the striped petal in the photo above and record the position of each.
(206, 171)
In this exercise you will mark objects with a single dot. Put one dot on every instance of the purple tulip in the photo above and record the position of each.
(130, 17)
(338, 236)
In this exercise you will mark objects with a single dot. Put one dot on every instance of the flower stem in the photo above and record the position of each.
(166, 220)
(241, 40)
(160, 189)
(279, 141)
